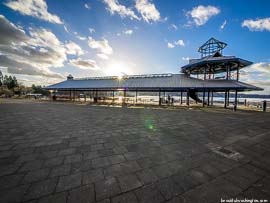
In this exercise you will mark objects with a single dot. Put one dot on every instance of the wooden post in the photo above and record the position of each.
(237, 74)
(212, 98)
(70, 98)
(136, 94)
(208, 98)
(124, 99)
(203, 102)
(187, 101)
(181, 98)
(235, 101)
(159, 98)
(228, 98)
(225, 99)
(113, 96)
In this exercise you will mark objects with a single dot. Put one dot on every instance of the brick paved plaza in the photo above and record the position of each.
(60, 152)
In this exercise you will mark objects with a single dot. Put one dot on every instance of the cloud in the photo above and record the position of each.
(261, 67)
(170, 45)
(128, 32)
(185, 58)
(201, 14)
(92, 30)
(85, 64)
(73, 48)
(15, 67)
(147, 10)
(179, 42)
(257, 25)
(66, 29)
(79, 37)
(174, 26)
(34, 8)
(113, 6)
(33, 53)
(223, 25)
(103, 56)
(101, 46)
(87, 6)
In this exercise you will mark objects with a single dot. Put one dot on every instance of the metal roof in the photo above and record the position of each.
(168, 82)
(213, 64)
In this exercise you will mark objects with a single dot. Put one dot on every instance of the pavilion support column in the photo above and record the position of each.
(136, 96)
(113, 96)
(208, 98)
(181, 98)
(228, 98)
(212, 98)
(70, 98)
(225, 99)
(237, 74)
(203, 102)
(124, 99)
(159, 98)
(187, 101)
(96, 96)
(235, 101)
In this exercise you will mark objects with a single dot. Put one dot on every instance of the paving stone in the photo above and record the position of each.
(82, 195)
(199, 176)
(60, 170)
(128, 197)
(115, 159)
(31, 165)
(67, 151)
(129, 182)
(147, 176)
(168, 188)
(100, 162)
(72, 158)
(148, 194)
(162, 171)
(40, 189)
(37, 175)
(52, 162)
(90, 155)
(97, 147)
(184, 181)
(145, 163)
(175, 156)
(92, 176)
(55, 198)
(69, 182)
(10, 180)
(14, 194)
(104, 201)
(106, 188)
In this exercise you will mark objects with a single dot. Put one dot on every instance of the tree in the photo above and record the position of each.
(39, 90)
(10, 81)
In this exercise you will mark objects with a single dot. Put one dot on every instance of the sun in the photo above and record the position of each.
(118, 69)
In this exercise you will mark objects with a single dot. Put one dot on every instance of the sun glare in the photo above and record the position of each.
(117, 69)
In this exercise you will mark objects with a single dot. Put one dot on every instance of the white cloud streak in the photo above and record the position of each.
(73, 49)
(147, 10)
(101, 46)
(85, 64)
(179, 42)
(34, 8)
(113, 6)
(257, 25)
(201, 14)
(223, 25)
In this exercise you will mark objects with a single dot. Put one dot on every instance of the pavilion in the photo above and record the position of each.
(212, 73)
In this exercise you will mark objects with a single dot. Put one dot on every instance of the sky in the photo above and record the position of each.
(42, 41)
